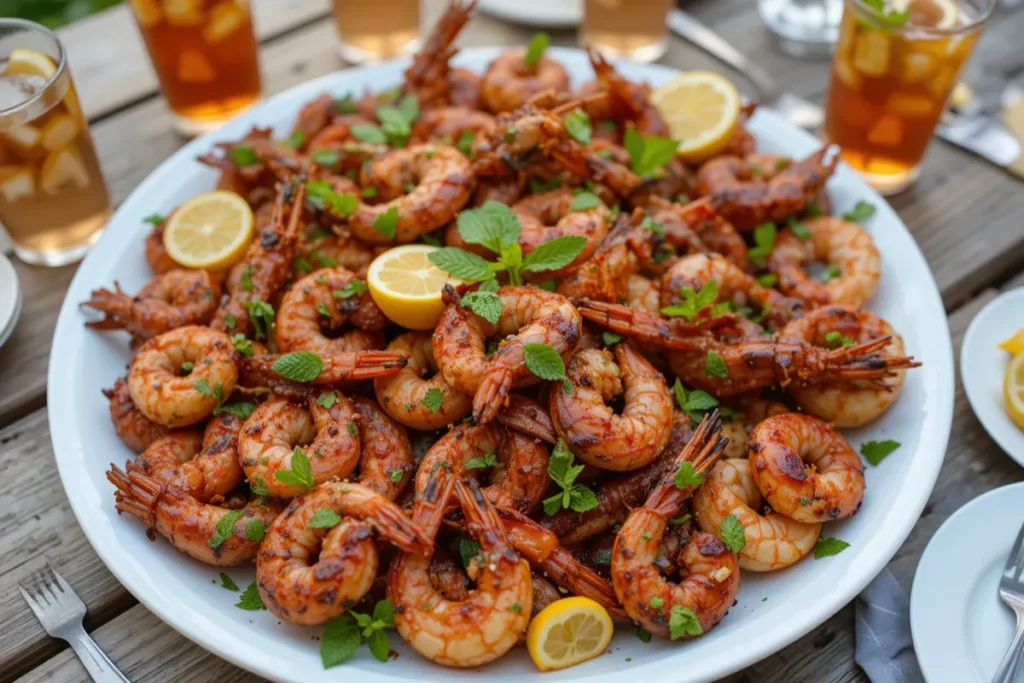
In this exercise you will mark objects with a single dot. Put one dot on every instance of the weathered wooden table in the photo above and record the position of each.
(965, 215)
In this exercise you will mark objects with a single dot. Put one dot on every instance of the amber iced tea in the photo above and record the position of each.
(53, 201)
(891, 75)
(204, 53)
(371, 31)
(626, 29)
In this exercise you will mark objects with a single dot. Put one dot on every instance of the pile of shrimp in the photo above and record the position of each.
(685, 428)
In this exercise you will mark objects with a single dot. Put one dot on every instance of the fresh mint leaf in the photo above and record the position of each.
(224, 528)
(387, 223)
(827, 547)
(648, 153)
(324, 519)
(489, 460)
(228, 583)
(250, 599)
(461, 264)
(299, 366)
(714, 366)
(584, 201)
(433, 399)
(860, 212)
(243, 155)
(543, 361)
(351, 288)
(732, 534)
(339, 642)
(686, 477)
(301, 473)
(764, 241)
(465, 143)
(682, 621)
(577, 123)
(366, 132)
(255, 530)
(487, 305)
(325, 157)
(535, 49)
(558, 253)
(877, 451)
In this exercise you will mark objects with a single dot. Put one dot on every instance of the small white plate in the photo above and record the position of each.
(983, 366)
(10, 298)
(961, 628)
(539, 13)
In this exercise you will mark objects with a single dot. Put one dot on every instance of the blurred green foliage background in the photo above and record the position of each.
(53, 13)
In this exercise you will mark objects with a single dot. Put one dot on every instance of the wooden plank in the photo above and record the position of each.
(36, 526)
(112, 68)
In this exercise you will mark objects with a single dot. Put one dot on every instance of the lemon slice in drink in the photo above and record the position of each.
(701, 109)
(406, 285)
(1013, 389)
(567, 632)
(210, 231)
(30, 62)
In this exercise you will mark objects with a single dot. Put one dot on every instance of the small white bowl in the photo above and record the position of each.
(10, 298)
(983, 366)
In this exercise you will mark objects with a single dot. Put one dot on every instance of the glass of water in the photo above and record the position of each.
(805, 28)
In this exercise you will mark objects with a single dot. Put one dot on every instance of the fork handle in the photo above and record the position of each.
(99, 666)
(1007, 671)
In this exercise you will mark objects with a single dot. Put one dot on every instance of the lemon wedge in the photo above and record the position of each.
(406, 285)
(567, 632)
(30, 62)
(701, 109)
(1014, 344)
(210, 231)
(1013, 389)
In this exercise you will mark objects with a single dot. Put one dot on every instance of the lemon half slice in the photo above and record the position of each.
(1014, 344)
(1013, 389)
(407, 286)
(210, 231)
(567, 632)
(701, 109)
(30, 62)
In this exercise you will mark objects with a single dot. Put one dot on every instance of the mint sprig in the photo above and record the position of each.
(573, 496)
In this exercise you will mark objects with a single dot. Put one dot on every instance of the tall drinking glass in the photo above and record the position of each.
(204, 53)
(805, 28)
(53, 200)
(621, 29)
(891, 75)
(381, 29)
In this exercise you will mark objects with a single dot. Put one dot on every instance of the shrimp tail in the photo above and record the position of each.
(528, 417)
(569, 573)
(493, 394)
(864, 362)
(430, 508)
(137, 493)
(674, 335)
(481, 516)
(115, 306)
(702, 452)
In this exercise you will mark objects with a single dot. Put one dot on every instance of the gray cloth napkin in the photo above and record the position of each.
(884, 648)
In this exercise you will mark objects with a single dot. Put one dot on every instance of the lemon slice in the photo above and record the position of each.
(567, 632)
(407, 286)
(701, 109)
(1015, 344)
(30, 62)
(210, 231)
(1013, 389)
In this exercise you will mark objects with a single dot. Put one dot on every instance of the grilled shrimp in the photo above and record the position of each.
(510, 82)
(404, 395)
(733, 285)
(156, 255)
(448, 125)
(711, 577)
(741, 194)
(494, 615)
(806, 469)
(442, 183)
(773, 541)
(339, 249)
(627, 102)
(386, 464)
(348, 366)
(325, 299)
(616, 497)
(518, 464)
(430, 78)
(844, 246)
(549, 215)
(168, 301)
(606, 276)
(600, 436)
(528, 316)
(697, 227)
(308, 574)
(268, 265)
(747, 364)
(847, 404)
(190, 526)
(136, 430)
(175, 378)
(204, 465)
(279, 432)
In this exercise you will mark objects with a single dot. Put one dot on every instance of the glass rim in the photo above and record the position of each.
(62, 59)
(952, 31)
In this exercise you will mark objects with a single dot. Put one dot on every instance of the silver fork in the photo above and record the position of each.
(1011, 590)
(59, 609)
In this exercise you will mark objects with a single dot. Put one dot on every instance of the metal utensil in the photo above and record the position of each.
(797, 110)
(59, 609)
(1011, 590)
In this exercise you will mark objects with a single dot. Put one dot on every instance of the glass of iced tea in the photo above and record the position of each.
(53, 200)
(204, 53)
(626, 29)
(381, 29)
(894, 67)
